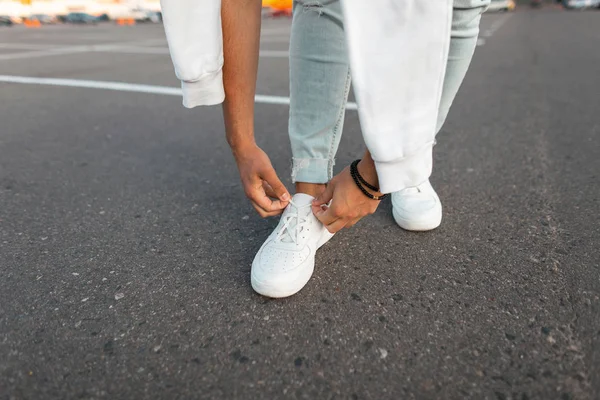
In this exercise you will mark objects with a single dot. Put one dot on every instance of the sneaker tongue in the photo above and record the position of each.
(299, 199)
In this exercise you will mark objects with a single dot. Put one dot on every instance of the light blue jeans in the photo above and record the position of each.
(320, 80)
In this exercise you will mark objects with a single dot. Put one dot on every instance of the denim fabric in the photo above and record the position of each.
(320, 80)
(319, 86)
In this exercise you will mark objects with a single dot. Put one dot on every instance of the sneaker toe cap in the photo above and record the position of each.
(416, 205)
(274, 265)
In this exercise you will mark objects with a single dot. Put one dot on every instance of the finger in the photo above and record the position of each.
(268, 189)
(337, 225)
(260, 198)
(317, 209)
(327, 215)
(325, 197)
(279, 188)
(263, 213)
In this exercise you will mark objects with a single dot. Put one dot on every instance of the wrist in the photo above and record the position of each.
(366, 169)
(368, 189)
(240, 148)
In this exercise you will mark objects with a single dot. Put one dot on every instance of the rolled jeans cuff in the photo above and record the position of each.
(312, 170)
(406, 172)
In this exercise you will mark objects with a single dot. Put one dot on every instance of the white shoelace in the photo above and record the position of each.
(293, 224)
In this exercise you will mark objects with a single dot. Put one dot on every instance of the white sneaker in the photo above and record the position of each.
(417, 208)
(285, 262)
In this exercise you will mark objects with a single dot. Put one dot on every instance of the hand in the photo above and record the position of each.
(262, 186)
(348, 204)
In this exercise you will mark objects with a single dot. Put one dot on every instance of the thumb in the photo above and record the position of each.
(323, 198)
(279, 188)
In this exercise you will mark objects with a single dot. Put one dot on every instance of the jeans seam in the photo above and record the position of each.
(337, 126)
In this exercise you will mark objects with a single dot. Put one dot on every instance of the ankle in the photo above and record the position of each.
(312, 189)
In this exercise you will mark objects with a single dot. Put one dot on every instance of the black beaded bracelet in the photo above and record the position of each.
(360, 178)
(359, 181)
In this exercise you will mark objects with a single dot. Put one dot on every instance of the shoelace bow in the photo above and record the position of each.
(293, 231)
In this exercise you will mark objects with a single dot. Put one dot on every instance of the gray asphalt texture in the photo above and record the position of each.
(126, 241)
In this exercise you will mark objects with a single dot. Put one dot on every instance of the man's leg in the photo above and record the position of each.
(465, 30)
(320, 80)
(419, 208)
(398, 52)
(319, 85)
(319, 89)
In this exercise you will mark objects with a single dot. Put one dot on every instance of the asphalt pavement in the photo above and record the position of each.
(126, 241)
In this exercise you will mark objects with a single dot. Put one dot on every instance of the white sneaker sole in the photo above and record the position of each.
(291, 288)
(419, 225)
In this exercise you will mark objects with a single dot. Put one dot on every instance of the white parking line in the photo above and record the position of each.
(488, 33)
(45, 50)
(46, 46)
(118, 86)
(54, 50)
(150, 42)
(44, 53)
(130, 87)
(133, 50)
(27, 46)
(496, 25)
(155, 50)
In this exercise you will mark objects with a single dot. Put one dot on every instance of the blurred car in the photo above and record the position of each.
(148, 16)
(580, 4)
(5, 21)
(43, 18)
(80, 18)
(278, 8)
(155, 16)
(103, 18)
(502, 5)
